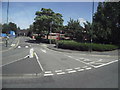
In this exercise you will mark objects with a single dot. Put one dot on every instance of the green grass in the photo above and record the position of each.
(73, 45)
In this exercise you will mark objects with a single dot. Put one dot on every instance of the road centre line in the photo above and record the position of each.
(77, 68)
(38, 62)
(15, 61)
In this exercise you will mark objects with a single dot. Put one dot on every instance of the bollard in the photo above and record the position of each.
(31, 53)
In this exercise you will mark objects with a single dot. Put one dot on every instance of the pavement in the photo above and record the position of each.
(50, 68)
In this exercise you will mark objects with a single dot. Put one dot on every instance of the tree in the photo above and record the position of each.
(7, 27)
(74, 30)
(106, 22)
(47, 19)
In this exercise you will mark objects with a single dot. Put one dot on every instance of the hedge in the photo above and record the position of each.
(73, 45)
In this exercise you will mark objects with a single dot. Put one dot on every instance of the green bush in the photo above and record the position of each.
(73, 45)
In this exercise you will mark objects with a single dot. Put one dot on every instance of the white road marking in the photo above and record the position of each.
(26, 46)
(105, 64)
(12, 45)
(84, 66)
(86, 60)
(100, 60)
(68, 69)
(88, 68)
(72, 71)
(80, 70)
(39, 62)
(58, 70)
(61, 73)
(15, 61)
(48, 74)
(19, 46)
(43, 50)
(77, 68)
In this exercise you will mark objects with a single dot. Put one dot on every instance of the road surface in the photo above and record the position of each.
(54, 69)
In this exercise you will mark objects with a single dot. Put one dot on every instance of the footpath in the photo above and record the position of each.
(113, 53)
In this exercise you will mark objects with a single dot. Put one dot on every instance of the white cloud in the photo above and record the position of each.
(82, 21)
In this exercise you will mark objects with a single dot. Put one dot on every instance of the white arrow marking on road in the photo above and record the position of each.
(43, 50)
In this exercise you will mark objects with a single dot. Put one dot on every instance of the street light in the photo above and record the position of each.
(92, 26)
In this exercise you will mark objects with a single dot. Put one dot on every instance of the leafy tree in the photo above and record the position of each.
(7, 27)
(47, 19)
(106, 22)
(74, 30)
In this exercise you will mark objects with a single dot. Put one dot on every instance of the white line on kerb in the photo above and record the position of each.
(39, 62)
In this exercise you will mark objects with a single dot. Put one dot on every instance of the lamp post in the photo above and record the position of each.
(91, 40)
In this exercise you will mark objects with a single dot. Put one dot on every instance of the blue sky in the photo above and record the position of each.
(23, 13)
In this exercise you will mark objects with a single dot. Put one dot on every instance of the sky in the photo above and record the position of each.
(23, 13)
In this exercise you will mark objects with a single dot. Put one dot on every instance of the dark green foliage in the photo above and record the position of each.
(7, 27)
(73, 45)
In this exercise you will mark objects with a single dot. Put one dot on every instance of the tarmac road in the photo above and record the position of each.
(54, 69)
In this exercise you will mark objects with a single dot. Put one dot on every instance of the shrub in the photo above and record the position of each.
(73, 45)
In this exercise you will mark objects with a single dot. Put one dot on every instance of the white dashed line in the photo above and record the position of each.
(48, 74)
(72, 71)
(68, 69)
(61, 73)
(77, 68)
(80, 70)
(88, 68)
(58, 70)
